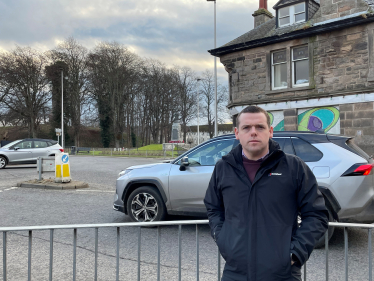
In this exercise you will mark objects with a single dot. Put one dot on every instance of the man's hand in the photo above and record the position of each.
(293, 259)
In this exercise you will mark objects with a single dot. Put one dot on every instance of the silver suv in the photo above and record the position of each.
(342, 169)
(27, 151)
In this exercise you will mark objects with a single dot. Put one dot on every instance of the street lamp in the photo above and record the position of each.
(198, 123)
(215, 73)
(62, 108)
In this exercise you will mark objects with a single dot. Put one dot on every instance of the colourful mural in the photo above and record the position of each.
(277, 120)
(322, 118)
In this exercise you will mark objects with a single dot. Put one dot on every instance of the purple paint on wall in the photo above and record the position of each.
(314, 123)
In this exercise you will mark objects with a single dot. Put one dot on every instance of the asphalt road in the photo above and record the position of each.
(28, 207)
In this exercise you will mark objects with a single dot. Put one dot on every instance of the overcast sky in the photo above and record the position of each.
(175, 32)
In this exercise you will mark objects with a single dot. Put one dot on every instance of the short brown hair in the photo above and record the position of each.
(253, 109)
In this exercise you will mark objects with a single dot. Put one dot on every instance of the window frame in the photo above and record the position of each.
(292, 14)
(188, 153)
(308, 143)
(293, 68)
(272, 70)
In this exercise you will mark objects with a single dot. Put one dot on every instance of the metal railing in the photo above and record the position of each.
(133, 152)
(96, 227)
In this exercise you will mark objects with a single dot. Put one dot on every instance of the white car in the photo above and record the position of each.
(27, 151)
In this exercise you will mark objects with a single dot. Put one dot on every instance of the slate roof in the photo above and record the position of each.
(265, 30)
(269, 30)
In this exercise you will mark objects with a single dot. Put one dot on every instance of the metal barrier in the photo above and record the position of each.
(52, 228)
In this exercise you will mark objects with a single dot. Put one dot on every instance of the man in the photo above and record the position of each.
(253, 199)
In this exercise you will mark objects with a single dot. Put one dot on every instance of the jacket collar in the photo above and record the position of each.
(234, 158)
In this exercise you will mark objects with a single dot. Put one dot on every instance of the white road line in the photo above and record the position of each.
(14, 187)
(90, 190)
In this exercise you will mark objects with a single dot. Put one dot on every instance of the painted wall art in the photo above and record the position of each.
(277, 120)
(321, 118)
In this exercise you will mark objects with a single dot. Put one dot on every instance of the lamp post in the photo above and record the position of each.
(198, 105)
(215, 73)
(62, 108)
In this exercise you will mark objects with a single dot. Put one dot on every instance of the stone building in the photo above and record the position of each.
(311, 65)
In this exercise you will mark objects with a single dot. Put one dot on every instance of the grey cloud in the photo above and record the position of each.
(160, 28)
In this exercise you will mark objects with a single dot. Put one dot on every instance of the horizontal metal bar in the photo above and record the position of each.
(131, 224)
(77, 226)
(351, 225)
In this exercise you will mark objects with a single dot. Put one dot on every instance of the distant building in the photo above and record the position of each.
(311, 65)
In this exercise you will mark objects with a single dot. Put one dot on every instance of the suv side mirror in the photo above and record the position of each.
(184, 163)
(16, 148)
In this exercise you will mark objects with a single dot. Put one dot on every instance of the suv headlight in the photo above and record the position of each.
(124, 172)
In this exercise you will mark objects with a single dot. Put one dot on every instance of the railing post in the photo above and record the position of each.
(118, 246)
(158, 253)
(197, 253)
(51, 255)
(75, 254)
(29, 256)
(327, 253)
(219, 265)
(346, 252)
(180, 253)
(139, 241)
(305, 271)
(370, 256)
(4, 255)
(96, 250)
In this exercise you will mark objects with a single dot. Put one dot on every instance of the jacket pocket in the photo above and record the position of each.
(273, 252)
(232, 243)
(220, 241)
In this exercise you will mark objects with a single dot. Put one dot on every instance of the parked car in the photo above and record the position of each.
(27, 151)
(343, 171)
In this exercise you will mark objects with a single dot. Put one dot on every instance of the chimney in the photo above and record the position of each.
(262, 15)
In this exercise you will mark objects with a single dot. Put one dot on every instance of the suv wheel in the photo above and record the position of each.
(145, 205)
(3, 162)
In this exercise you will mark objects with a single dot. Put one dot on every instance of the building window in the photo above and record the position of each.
(300, 66)
(279, 70)
(291, 14)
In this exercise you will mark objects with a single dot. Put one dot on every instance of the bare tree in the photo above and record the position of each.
(74, 55)
(208, 101)
(186, 81)
(24, 86)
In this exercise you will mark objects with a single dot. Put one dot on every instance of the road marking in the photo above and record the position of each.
(95, 190)
(14, 187)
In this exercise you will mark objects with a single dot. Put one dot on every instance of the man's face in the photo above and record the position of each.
(254, 134)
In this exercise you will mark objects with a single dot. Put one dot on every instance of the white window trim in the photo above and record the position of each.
(272, 73)
(292, 15)
(293, 70)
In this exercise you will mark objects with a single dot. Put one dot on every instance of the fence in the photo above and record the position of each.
(94, 151)
(96, 227)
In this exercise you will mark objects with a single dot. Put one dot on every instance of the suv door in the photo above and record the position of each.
(40, 149)
(187, 188)
(21, 152)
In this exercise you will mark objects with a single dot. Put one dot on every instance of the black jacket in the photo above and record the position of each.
(255, 224)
